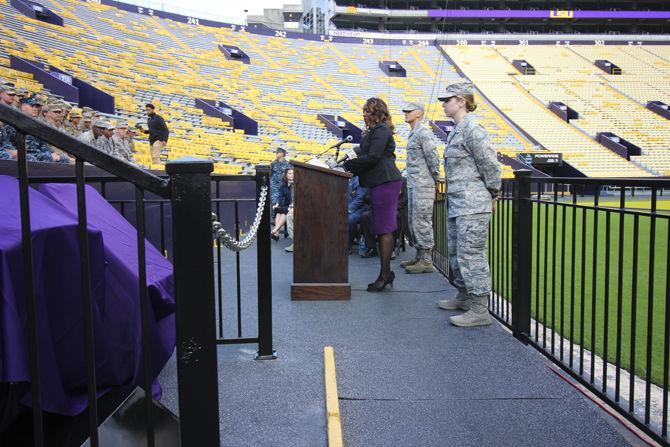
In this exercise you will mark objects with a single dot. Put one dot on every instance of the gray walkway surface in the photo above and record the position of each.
(405, 376)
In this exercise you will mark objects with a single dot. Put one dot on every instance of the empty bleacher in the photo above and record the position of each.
(139, 58)
(567, 76)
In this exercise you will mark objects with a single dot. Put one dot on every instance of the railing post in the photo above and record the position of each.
(190, 195)
(521, 255)
(264, 267)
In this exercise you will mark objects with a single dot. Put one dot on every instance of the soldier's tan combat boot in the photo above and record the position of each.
(424, 265)
(412, 261)
(478, 315)
(459, 302)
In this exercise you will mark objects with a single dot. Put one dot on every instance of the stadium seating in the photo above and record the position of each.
(601, 102)
(562, 75)
(139, 59)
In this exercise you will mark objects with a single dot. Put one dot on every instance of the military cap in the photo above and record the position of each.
(87, 119)
(108, 125)
(30, 100)
(101, 123)
(75, 113)
(39, 100)
(8, 88)
(86, 109)
(98, 114)
(54, 107)
(458, 89)
(22, 92)
(121, 124)
(413, 106)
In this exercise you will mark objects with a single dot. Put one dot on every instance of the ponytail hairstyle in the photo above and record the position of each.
(470, 104)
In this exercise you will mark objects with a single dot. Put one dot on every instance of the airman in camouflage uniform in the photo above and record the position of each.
(20, 94)
(106, 143)
(121, 142)
(473, 182)
(423, 170)
(94, 136)
(73, 122)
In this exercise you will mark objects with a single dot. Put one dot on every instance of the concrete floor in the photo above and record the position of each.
(405, 376)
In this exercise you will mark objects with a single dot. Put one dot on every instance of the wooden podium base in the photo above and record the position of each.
(320, 291)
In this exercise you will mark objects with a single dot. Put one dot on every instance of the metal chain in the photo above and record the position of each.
(228, 241)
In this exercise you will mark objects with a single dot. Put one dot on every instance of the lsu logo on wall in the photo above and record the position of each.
(561, 14)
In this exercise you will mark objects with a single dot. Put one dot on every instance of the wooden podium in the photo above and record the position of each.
(320, 232)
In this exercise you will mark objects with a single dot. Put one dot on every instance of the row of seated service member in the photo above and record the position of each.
(114, 137)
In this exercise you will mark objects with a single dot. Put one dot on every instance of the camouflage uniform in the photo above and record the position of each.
(277, 169)
(473, 179)
(88, 138)
(36, 149)
(122, 149)
(423, 170)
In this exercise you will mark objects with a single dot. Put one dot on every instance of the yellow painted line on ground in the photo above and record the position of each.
(332, 402)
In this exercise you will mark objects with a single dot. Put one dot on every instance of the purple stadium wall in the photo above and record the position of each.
(73, 90)
(51, 83)
(341, 132)
(393, 69)
(660, 108)
(28, 9)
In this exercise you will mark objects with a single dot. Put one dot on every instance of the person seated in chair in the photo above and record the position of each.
(357, 206)
(284, 201)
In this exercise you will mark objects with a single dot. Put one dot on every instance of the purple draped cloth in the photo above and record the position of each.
(57, 278)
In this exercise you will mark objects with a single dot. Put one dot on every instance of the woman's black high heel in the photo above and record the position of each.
(379, 285)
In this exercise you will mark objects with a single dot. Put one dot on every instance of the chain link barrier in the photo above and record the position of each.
(227, 240)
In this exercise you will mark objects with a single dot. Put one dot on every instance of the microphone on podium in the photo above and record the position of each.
(348, 139)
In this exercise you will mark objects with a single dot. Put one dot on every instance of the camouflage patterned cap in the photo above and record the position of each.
(458, 89)
(86, 109)
(8, 88)
(102, 124)
(120, 124)
(54, 107)
(22, 92)
(75, 113)
(410, 106)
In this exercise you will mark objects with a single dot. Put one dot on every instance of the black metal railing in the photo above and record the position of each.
(580, 271)
(182, 219)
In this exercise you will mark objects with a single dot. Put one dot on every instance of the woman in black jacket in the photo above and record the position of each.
(376, 170)
(285, 200)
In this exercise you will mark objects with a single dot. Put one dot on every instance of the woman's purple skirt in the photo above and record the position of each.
(384, 205)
